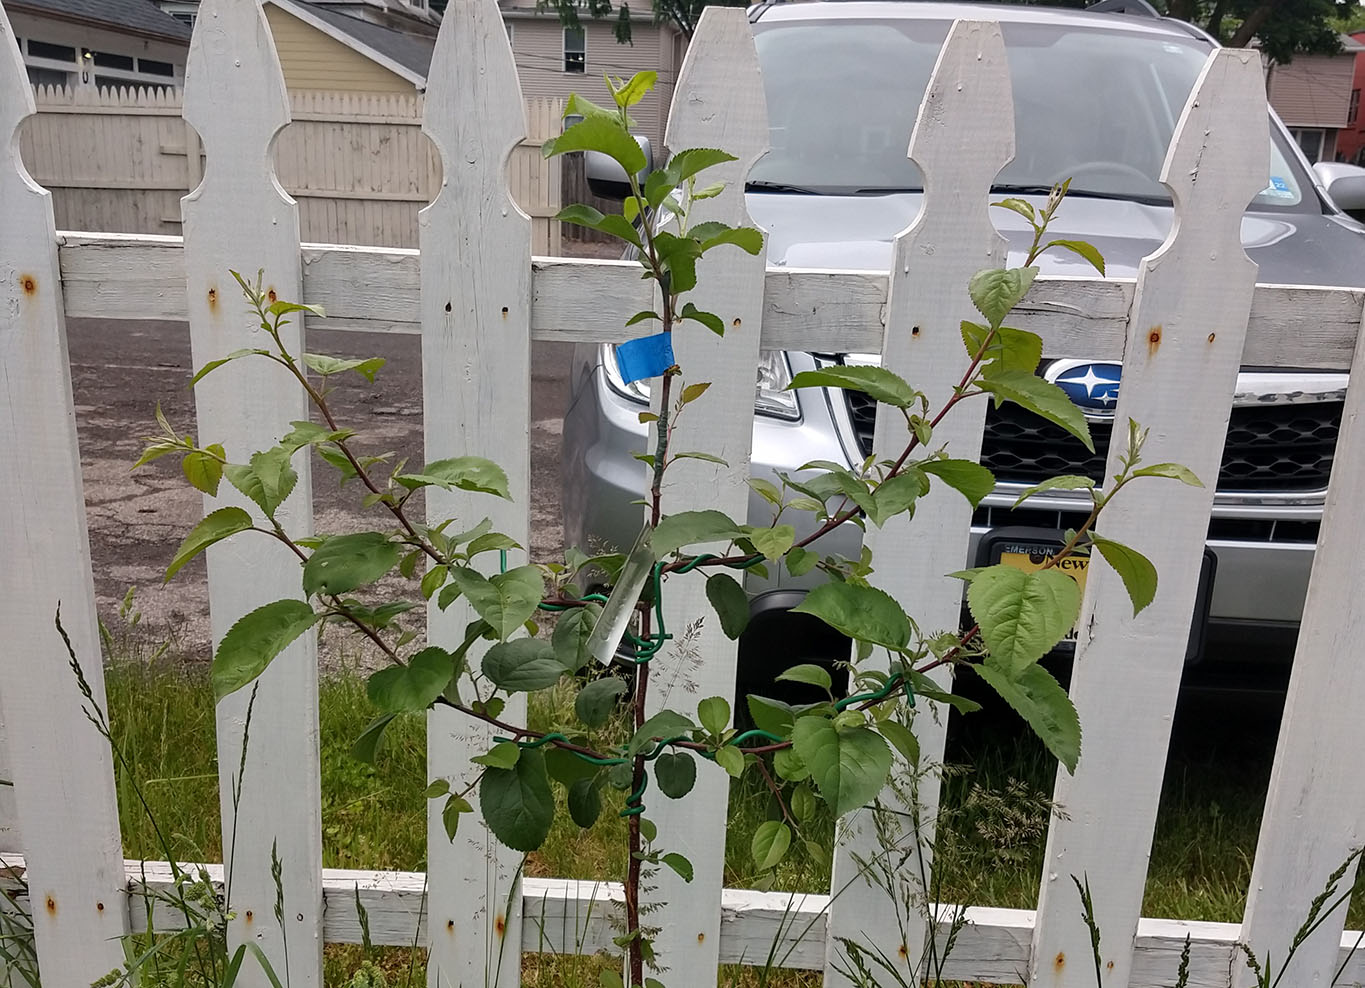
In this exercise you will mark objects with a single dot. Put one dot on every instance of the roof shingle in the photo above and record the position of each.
(140, 16)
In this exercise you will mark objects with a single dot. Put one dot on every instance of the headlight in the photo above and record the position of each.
(770, 398)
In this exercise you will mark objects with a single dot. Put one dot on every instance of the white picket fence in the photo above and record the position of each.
(478, 298)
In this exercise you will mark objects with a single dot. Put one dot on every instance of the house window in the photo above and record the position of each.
(48, 77)
(105, 60)
(1310, 139)
(1354, 109)
(56, 53)
(184, 16)
(575, 50)
(149, 67)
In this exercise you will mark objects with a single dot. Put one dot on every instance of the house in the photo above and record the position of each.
(554, 61)
(1313, 96)
(93, 43)
(355, 46)
(1351, 138)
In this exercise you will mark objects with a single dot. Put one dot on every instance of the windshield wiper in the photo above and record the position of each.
(1042, 190)
(798, 190)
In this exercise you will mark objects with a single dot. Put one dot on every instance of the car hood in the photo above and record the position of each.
(855, 233)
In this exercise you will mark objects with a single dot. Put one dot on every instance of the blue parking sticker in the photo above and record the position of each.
(649, 356)
(1278, 188)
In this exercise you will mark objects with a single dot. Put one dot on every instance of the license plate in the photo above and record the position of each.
(1034, 558)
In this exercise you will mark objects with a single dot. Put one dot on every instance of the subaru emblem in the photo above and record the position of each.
(1092, 387)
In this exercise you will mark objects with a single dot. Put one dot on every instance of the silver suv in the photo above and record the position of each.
(1097, 95)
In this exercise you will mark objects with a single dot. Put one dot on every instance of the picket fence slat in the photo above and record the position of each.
(951, 239)
(59, 763)
(239, 219)
(1321, 714)
(718, 103)
(476, 370)
(1185, 337)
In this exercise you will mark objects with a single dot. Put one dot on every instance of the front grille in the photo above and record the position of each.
(1269, 449)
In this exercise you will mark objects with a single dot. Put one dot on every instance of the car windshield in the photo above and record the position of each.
(1096, 106)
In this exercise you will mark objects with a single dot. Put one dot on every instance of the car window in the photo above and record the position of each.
(1096, 106)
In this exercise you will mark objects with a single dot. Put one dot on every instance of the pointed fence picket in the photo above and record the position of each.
(478, 299)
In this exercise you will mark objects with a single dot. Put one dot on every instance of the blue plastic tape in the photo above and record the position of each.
(649, 356)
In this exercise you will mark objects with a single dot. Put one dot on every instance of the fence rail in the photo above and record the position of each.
(478, 296)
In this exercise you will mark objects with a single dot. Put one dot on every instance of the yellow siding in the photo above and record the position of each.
(538, 43)
(313, 60)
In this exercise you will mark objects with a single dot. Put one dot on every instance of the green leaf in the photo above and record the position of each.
(1172, 470)
(326, 366)
(1038, 396)
(801, 561)
(710, 320)
(414, 687)
(665, 724)
(467, 473)
(810, 673)
(708, 192)
(902, 739)
(788, 765)
(585, 803)
(1043, 704)
(523, 665)
(971, 480)
(1135, 569)
(746, 238)
(1082, 248)
(730, 602)
(252, 643)
(690, 527)
(437, 789)
(565, 767)
(680, 865)
(571, 636)
(927, 688)
(692, 161)
(506, 600)
(215, 526)
(346, 562)
(876, 382)
(714, 714)
(1022, 615)
(491, 541)
(613, 224)
(849, 765)
(504, 754)
(676, 773)
(517, 803)
(642, 316)
(1021, 206)
(267, 481)
(694, 455)
(772, 716)
(213, 365)
(283, 308)
(203, 470)
(767, 490)
(634, 90)
(694, 391)
(600, 133)
(770, 843)
(772, 541)
(1066, 482)
(898, 494)
(863, 613)
(995, 291)
(730, 759)
(596, 700)
(803, 803)
(450, 814)
(578, 105)
(366, 746)
(1017, 349)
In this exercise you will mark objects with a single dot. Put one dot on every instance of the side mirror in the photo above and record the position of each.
(607, 179)
(1345, 184)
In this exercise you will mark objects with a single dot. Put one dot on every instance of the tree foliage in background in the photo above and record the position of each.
(681, 14)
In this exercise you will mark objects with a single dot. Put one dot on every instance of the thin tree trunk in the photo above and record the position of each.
(1243, 35)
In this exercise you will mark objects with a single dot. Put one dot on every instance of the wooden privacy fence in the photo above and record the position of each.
(478, 298)
(120, 161)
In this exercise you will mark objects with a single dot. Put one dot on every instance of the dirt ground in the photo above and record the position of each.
(120, 370)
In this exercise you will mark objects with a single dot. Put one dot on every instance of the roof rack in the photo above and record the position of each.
(1138, 8)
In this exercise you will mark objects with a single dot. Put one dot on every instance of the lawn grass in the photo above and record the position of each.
(374, 817)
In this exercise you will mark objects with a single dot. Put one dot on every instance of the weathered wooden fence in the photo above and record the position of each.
(478, 298)
(120, 161)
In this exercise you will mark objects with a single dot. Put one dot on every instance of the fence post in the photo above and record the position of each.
(719, 103)
(967, 107)
(476, 374)
(1315, 811)
(1183, 350)
(61, 766)
(240, 219)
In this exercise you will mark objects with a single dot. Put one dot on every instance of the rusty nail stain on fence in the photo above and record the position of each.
(248, 915)
(914, 330)
(450, 926)
(701, 937)
(902, 952)
(1153, 340)
(1211, 336)
(1111, 965)
(271, 295)
(29, 283)
(51, 904)
(299, 917)
(500, 926)
(735, 323)
(447, 306)
(504, 312)
(213, 298)
(1060, 962)
(99, 906)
